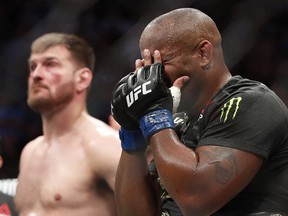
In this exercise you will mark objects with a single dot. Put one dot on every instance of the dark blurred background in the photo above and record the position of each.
(255, 42)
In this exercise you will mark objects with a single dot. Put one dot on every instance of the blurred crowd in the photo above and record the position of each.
(255, 41)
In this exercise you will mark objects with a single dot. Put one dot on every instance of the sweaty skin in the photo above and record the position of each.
(70, 169)
(201, 181)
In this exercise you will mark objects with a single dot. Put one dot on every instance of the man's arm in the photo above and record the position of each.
(135, 194)
(203, 181)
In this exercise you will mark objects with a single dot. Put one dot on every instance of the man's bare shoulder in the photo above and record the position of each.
(100, 138)
(29, 148)
(33, 143)
(101, 129)
(101, 135)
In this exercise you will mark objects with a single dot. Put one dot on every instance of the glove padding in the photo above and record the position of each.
(132, 139)
(118, 110)
(149, 99)
(141, 92)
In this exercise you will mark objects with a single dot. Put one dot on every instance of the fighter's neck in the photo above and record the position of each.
(62, 121)
(214, 87)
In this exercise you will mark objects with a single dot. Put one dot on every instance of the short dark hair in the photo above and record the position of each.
(79, 48)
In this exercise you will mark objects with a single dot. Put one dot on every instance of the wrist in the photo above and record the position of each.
(156, 121)
(132, 140)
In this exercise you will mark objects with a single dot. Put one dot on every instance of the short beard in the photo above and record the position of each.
(46, 105)
(39, 105)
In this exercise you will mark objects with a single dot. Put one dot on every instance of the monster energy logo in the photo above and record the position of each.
(225, 110)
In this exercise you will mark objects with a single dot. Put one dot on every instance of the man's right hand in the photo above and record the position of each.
(141, 92)
(131, 136)
(118, 110)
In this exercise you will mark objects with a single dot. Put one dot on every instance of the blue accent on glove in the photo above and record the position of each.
(156, 121)
(132, 140)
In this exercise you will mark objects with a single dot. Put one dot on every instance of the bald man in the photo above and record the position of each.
(230, 156)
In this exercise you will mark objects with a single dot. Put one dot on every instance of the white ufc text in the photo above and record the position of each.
(134, 94)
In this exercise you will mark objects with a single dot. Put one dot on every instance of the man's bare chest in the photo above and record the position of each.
(56, 175)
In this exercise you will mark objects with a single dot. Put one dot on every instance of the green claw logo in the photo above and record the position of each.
(232, 103)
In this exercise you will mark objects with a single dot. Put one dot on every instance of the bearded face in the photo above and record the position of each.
(44, 98)
(51, 82)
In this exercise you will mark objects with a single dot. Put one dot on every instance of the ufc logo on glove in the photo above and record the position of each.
(133, 95)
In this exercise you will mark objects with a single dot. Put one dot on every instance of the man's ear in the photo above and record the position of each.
(83, 79)
(205, 51)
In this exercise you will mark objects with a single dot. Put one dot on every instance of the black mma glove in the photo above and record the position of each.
(130, 134)
(181, 121)
(145, 96)
(118, 110)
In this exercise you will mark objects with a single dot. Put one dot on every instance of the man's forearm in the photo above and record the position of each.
(135, 194)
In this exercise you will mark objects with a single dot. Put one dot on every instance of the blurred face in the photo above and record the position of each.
(51, 82)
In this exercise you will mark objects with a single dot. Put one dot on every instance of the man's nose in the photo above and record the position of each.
(37, 73)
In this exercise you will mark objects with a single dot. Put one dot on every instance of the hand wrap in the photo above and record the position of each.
(132, 140)
(155, 121)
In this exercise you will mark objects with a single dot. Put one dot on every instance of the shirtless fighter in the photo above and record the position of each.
(70, 169)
